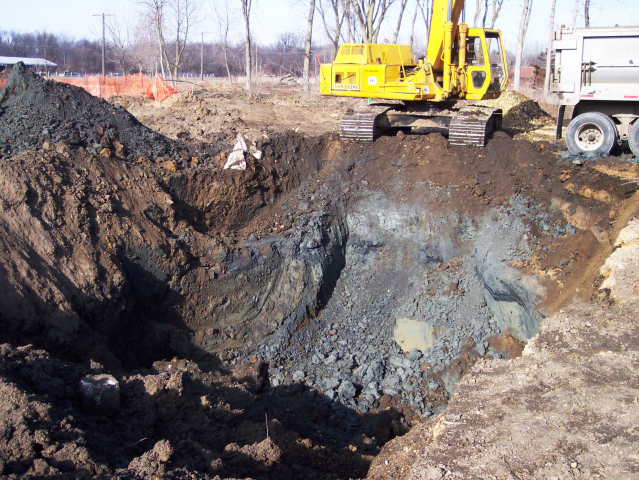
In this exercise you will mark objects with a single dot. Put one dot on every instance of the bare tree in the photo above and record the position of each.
(119, 39)
(185, 17)
(45, 42)
(549, 49)
(496, 9)
(155, 11)
(483, 22)
(402, 7)
(307, 50)
(523, 28)
(224, 20)
(143, 50)
(477, 12)
(574, 14)
(370, 14)
(586, 13)
(412, 25)
(246, 12)
(349, 16)
(427, 16)
(333, 32)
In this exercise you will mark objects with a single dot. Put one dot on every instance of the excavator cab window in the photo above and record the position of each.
(475, 51)
(496, 58)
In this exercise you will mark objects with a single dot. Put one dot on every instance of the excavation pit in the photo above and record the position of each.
(277, 292)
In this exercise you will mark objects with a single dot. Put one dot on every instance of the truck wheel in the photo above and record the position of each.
(633, 138)
(591, 132)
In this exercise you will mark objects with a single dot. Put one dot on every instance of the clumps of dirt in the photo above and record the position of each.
(174, 421)
(34, 111)
(519, 111)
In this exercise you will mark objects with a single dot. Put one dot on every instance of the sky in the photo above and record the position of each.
(273, 17)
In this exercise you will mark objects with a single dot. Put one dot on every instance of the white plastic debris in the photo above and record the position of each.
(256, 153)
(237, 159)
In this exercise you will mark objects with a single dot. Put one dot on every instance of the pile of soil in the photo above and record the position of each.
(520, 111)
(34, 110)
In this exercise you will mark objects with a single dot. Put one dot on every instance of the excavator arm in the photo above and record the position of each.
(443, 11)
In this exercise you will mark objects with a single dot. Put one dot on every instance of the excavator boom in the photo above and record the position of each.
(443, 11)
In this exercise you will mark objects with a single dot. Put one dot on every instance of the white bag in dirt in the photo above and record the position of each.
(256, 153)
(236, 160)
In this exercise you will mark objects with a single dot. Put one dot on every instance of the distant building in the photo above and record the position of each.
(37, 63)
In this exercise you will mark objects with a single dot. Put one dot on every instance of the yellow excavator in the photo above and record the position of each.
(404, 92)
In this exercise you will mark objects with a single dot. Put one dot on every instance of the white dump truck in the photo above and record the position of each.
(597, 72)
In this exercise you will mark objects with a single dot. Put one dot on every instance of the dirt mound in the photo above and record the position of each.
(34, 110)
(519, 110)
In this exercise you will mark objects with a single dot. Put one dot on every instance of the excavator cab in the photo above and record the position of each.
(486, 69)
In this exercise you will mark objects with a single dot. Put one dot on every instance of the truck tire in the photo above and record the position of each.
(591, 132)
(633, 138)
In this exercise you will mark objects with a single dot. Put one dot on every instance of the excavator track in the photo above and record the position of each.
(473, 124)
(360, 126)
(469, 125)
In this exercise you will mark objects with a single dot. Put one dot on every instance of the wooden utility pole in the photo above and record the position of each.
(103, 15)
(202, 57)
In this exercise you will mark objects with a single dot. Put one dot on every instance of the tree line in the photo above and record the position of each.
(167, 37)
(83, 56)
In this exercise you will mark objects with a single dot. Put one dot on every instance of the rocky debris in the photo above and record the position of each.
(621, 269)
(529, 409)
(153, 462)
(548, 391)
(251, 374)
(34, 111)
(100, 394)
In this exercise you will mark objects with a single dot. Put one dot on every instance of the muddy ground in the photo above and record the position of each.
(333, 293)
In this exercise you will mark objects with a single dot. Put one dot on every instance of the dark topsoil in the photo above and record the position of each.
(35, 110)
(114, 266)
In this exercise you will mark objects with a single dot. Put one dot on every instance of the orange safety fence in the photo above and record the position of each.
(159, 90)
(135, 85)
